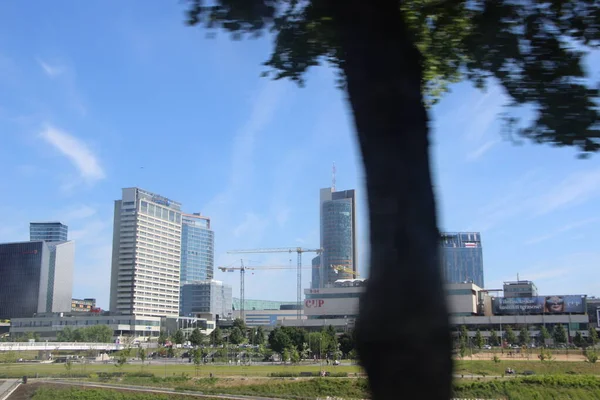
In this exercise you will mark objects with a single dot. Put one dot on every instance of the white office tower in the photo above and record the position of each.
(146, 255)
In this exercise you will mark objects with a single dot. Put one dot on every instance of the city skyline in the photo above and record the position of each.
(251, 153)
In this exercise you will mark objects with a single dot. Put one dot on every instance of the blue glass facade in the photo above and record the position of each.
(197, 249)
(337, 229)
(48, 231)
(23, 279)
(461, 257)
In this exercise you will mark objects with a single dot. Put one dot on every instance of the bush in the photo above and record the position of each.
(139, 374)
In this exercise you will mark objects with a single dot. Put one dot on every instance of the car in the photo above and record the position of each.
(487, 347)
(528, 372)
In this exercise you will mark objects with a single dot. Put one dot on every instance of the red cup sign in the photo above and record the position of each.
(314, 303)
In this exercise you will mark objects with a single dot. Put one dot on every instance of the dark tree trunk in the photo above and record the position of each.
(403, 331)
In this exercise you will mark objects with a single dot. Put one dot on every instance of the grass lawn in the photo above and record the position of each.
(464, 367)
(20, 369)
(468, 367)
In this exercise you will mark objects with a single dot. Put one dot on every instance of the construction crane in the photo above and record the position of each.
(242, 270)
(290, 250)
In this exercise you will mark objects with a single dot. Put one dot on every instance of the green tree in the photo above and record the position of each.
(279, 340)
(593, 336)
(142, 356)
(544, 334)
(305, 353)
(260, 336)
(559, 333)
(578, 340)
(294, 355)
(197, 337)
(524, 338)
(69, 366)
(479, 341)
(178, 337)
(493, 339)
(216, 337)
(464, 336)
(329, 339)
(65, 335)
(510, 336)
(346, 342)
(121, 360)
(239, 323)
(97, 334)
(170, 352)
(591, 356)
(162, 338)
(415, 49)
(314, 342)
(197, 358)
(236, 336)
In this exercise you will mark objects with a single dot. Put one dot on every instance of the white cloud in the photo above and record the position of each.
(76, 151)
(51, 70)
(561, 230)
(79, 212)
(253, 226)
(89, 232)
(574, 189)
(481, 150)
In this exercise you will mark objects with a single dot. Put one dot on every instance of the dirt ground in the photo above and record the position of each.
(575, 356)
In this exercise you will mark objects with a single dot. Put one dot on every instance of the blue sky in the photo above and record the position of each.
(90, 94)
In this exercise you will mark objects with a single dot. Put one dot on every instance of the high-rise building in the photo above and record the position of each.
(461, 257)
(24, 269)
(338, 237)
(60, 276)
(146, 256)
(197, 249)
(206, 297)
(35, 277)
(48, 231)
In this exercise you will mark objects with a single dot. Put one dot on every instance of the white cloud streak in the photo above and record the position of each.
(481, 150)
(51, 70)
(533, 196)
(76, 151)
(561, 230)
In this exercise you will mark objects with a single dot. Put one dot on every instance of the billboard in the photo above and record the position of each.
(571, 304)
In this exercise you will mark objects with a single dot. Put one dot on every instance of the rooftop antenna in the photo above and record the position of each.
(333, 177)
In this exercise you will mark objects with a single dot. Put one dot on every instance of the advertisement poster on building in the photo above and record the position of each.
(571, 304)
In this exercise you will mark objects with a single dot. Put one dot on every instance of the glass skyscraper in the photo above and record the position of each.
(24, 269)
(204, 297)
(197, 249)
(338, 237)
(461, 257)
(48, 231)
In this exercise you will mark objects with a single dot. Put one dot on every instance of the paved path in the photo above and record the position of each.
(8, 387)
(152, 390)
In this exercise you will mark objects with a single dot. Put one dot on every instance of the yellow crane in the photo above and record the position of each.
(299, 251)
(345, 269)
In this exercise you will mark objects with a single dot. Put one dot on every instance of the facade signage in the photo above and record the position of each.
(314, 303)
(571, 304)
(161, 200)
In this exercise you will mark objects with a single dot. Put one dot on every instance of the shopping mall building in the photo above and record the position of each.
(469, 305)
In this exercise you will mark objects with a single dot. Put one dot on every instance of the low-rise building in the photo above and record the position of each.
(83, 305)
(206, 297)
(49, 324)
(268, 318)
